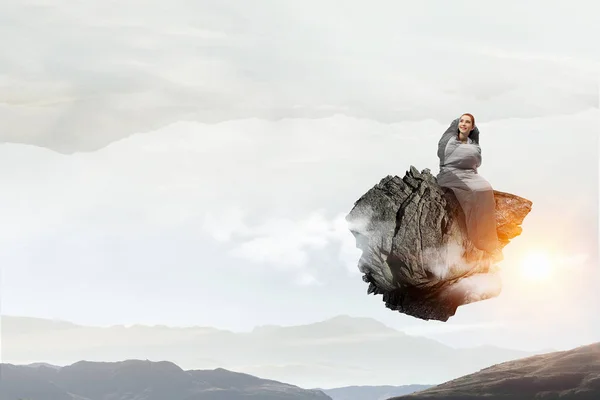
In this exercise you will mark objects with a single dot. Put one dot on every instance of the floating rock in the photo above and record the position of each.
(415, 248)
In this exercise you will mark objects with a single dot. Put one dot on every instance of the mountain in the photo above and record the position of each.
(141, 380)
(337, 352)
(372, 392)
(568, 375)
(43, 365)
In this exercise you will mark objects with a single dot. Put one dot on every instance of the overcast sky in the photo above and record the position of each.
(190, 163)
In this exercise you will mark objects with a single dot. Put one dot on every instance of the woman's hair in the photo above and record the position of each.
(472, 118)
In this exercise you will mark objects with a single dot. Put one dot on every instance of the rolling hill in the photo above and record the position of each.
(564, 375)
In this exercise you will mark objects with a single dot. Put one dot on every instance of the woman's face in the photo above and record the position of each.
(465, 125)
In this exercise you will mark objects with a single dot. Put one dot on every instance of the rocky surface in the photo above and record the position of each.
(415, 249)
(565, 375)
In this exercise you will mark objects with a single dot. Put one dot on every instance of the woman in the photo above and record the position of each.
(460, 156)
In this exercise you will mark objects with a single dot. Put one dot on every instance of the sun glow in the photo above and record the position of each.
(536, 266)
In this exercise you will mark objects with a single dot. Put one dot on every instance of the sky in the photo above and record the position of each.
(191, 163)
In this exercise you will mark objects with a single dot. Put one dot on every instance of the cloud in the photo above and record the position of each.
(287, 243)
(226, 225)
(280, 189)
(230, 145)
(142, 68)
(306, 279)
(246, 211)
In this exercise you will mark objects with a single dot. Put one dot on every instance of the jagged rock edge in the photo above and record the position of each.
(394, 299)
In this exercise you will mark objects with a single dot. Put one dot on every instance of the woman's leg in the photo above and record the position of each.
(476, 197)
(482, 219)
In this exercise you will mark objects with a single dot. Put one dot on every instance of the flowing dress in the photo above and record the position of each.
(458, 172)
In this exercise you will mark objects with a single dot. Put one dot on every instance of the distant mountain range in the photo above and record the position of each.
(564, 375)
(372, 392)
(41, 373)
(342, 351)
(140, 380)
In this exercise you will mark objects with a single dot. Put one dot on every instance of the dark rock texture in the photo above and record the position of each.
(416, 252)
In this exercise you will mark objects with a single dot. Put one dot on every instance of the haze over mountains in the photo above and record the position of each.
(372, 392)
(341, 351)
(568, 375)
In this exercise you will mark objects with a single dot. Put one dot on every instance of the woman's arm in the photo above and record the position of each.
(453, 128)
(474, 136)
(479, 158)
(446, 136)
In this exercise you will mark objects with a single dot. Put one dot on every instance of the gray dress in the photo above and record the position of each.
(458, 172)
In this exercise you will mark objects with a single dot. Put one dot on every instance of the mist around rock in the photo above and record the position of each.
(415, 247)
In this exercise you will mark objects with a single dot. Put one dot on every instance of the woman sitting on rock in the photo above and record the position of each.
(460, 156)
